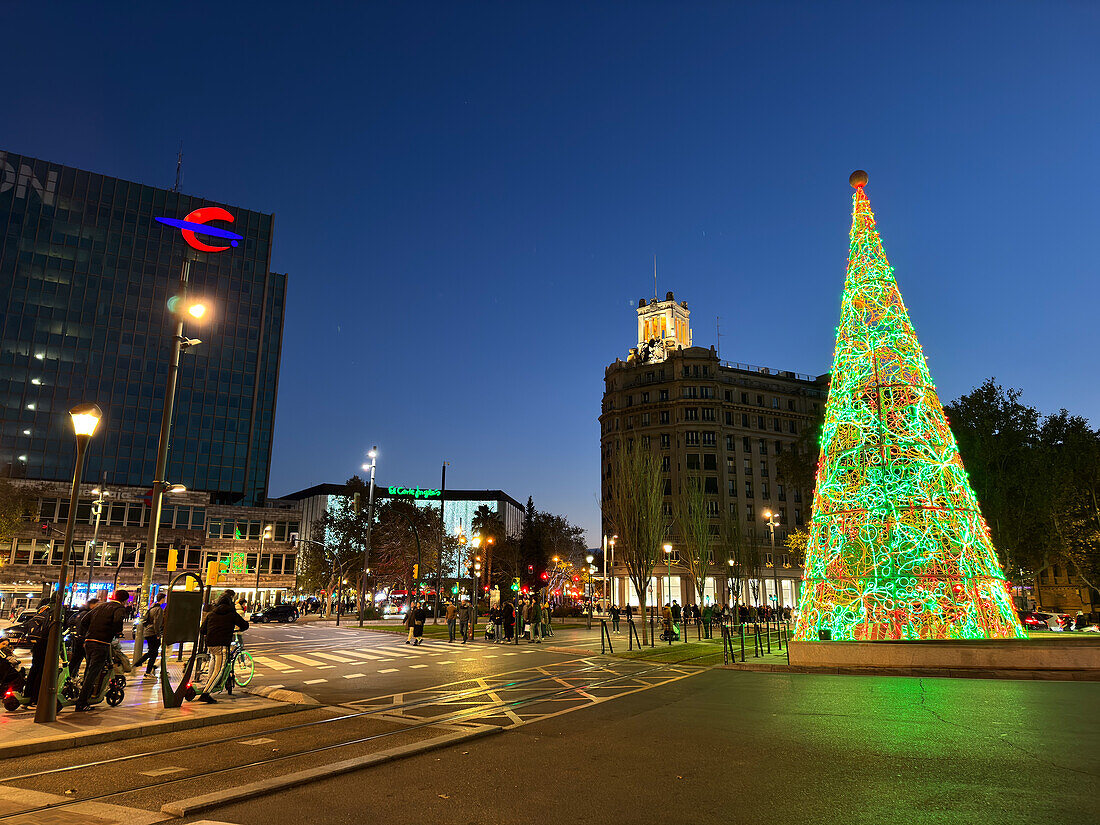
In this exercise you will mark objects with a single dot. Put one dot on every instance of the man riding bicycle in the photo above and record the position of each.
(218, 628)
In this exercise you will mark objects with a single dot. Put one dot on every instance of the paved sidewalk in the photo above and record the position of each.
(139, 714)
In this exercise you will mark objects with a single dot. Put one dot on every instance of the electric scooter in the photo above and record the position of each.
(112, 685)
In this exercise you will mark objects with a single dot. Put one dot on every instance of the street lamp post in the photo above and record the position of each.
(85, 420)
(97, 508)
(264, 536)
(373, 456)
(668, 565)
(773, 522)
(179, 343)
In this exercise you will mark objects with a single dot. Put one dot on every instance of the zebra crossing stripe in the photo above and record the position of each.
(303, 660)
(331, 657)
(360, 654)
(271, 663)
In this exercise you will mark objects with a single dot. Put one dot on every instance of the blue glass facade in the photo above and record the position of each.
(86, 275)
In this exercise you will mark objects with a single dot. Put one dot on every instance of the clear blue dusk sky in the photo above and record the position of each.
(468, 196)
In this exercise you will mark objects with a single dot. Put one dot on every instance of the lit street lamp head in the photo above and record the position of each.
(196, 310)
(85, 419)
(668, 548)
(175, 488)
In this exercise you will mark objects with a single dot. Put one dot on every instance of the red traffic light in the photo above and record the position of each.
(545, 576)
(530, 568)
(45, 527)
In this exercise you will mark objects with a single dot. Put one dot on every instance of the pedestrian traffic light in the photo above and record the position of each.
(173, 558)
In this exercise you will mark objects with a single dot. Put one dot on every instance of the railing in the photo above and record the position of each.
(737, 365)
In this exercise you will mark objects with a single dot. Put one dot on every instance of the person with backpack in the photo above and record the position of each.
(78, 639)
(218, 627)
(38, 634)
(154, 630)
(100, 627)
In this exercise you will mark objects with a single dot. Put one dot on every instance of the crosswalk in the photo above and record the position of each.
(380, 657)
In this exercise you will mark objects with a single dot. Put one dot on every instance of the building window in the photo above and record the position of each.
(780, 493)
(729, 396)
(775, 403)
(708, 414)
(691, 414)
(765, 492)
(760, 401)
(712, 506)
(645, 419)
(645, 441)
(689, 392)
(746, 444)
(666, 464)
(729, 419)
(763, 469)
(748, 488)
(798, 516)
(691, 439)
(730, 468)
(792, 428)
(710, 485)
(666, 509)
(745, 419)
(668, 486)
(797, 494)
(761, 422)
(645, 396)
(630, 400)
(744, 398)
(706, 392)
(776, 425)
(666, 441)
(748, 466)
(763, 447)
(664, 417)
(750, 512)
(790, 403)
(693, 461)
(662, 395)
(729, 443)
(710, 462)
(710, 439)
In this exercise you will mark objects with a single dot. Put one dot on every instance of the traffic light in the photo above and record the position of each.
(45, 528)
(173, 559)
(545, 576)
(515, 585)
(416, 571)
(212, 572)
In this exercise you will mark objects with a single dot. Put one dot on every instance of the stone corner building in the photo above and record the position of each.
(723, 422)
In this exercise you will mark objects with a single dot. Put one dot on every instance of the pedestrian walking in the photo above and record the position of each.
(509, 620)
(154, 630)
(471, 621)
(218, 627)
(77, 655)
(409, 621)
(419, 615)
(452, 617)
(463, 619)
(101, 626)
(536, 621)
(615, 613)
(38, 633)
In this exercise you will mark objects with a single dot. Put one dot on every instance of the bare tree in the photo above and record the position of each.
(693, 526)
(739, 558)
(632, 506)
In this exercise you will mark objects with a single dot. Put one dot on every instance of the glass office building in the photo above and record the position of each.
(86, 275)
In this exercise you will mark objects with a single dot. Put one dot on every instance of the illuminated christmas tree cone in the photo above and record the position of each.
(898, 548)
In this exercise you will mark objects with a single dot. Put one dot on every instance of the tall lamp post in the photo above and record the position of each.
(772, 520)
(85, 420)
(97, 510)
(264, 536)
(668, 565)
(373, 456)
(196, 310)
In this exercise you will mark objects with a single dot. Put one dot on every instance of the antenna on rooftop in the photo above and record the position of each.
(179, 168)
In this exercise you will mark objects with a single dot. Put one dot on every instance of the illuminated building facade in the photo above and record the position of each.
(724, 423)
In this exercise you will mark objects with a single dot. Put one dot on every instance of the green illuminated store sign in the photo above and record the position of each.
(414, 492)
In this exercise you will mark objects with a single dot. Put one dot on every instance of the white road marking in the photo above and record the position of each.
(332, 658)
(161, 771)
(303, 660)
(358, 654)
(389, 670)
(271, 663)
(354, 675)
(263, 740)
(412, 667)
(324, 667)
(315, 681)
(448, 662)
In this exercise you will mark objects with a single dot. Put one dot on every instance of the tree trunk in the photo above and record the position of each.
(645, 617)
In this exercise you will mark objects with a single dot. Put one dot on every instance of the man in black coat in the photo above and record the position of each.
(218, 627)
(38, 634)
(101, 626)
(154, 629)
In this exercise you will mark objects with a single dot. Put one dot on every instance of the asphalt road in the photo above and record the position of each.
(337, 664)
(750, 747)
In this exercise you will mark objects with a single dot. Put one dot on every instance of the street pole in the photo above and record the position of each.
(772, 523)
(99, 502)
(264, 536)
(159, 482)
(373, 455)
(442, 536)
(85, 420)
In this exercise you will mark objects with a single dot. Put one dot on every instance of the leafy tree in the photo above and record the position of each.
(633, 508)
(693, 524)
(18, 503)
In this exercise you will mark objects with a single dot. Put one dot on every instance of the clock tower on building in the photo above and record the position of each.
(662, 327)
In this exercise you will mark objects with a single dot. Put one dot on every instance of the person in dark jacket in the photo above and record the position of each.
(78, 639)
(218, 628)
(38, 634)
(419, 615)
(154, 629)
(100, 626)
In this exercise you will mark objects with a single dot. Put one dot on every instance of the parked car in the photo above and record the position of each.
(1041, 620)
(16, 631)
(276, 613)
